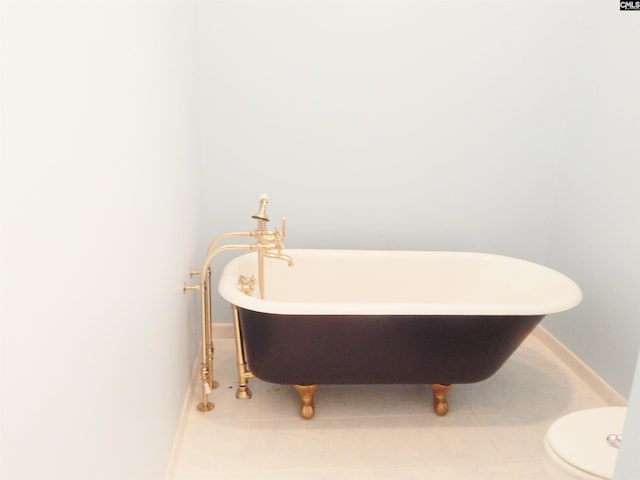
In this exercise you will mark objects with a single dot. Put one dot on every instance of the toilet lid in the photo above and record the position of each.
(580, 439)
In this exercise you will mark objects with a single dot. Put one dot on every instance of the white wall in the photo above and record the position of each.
(99, 227)
(408, 125)
(628, 465)
(492, 126)
(496, 126)
(596, 224)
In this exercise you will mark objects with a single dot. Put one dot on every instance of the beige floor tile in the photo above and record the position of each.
(473, 471)
(494, 429)
(529, 471)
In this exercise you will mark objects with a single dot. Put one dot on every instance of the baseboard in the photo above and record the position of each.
(223, 330)
(579, 367)
(220, 330)
(177, 439)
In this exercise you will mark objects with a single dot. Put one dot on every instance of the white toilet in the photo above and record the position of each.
(577, 446)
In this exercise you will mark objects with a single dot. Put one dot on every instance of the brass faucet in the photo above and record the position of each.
(269, 244)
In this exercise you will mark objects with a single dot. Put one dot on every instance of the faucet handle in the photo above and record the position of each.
(279, 234)
(278, 239)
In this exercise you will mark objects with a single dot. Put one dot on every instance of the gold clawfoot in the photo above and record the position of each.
(440, 404)
(307, 408)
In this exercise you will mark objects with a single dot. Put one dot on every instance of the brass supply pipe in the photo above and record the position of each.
(186, 288)
(244, 375)
(263, 249)
(262, 234)
(269, 244)
(224, 236)
(261, 273)
(212, 382)
(206, 373)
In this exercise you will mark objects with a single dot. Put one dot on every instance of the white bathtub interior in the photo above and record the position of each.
(402, 282)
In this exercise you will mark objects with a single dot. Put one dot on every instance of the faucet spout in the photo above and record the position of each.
(279, 256)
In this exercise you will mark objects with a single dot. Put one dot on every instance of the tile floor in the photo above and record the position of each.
(494, 429)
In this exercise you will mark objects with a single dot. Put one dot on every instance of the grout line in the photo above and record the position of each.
(579, 368)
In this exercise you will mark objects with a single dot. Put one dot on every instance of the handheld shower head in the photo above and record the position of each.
(262, 209)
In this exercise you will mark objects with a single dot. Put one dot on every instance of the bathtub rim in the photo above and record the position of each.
(227, 288)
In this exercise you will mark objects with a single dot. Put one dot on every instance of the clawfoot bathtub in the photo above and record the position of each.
(386, 317)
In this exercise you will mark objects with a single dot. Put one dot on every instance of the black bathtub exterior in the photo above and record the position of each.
(379, 349)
